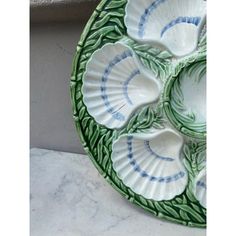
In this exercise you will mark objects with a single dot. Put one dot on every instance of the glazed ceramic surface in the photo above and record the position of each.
(139, 101)
(160, 21)
(115, 84)
(150, 164)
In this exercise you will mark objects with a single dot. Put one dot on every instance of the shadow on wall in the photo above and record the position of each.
(55, 31)
(42, 11)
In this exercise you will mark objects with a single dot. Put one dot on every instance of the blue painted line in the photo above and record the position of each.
(201, 184)
(145, 16)
(115, 113)
(148, 148)
(126, 83)
(144, 174)
(182, 19)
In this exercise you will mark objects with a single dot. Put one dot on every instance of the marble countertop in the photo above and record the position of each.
(70, 198)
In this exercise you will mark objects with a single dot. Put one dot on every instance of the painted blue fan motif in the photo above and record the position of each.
(143, 173)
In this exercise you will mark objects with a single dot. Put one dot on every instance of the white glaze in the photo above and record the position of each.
(176, 24)
(116, 84)
(145, 161)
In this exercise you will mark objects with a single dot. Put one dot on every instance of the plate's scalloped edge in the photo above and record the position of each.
(138, 200)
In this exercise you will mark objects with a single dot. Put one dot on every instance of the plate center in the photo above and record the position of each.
(186, 108)
(192, 83)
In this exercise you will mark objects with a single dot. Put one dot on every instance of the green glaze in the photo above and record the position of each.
(174, 100)
(106, 25)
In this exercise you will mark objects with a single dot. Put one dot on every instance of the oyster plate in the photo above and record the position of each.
(138, 95)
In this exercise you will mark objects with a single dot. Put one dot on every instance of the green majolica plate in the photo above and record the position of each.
(138, 95)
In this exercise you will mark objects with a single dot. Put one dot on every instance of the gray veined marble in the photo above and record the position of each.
(69, 198)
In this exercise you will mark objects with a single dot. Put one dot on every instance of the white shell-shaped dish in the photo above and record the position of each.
(150, 163)
(116, 84)
(176, 24)
(200, 188)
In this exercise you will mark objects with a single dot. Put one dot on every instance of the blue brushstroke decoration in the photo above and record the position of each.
(148, 148)
(144, 18)
(115, 113)
(126, 83)
(201, 184)
(182, 19)
(144, 174)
